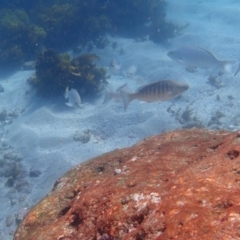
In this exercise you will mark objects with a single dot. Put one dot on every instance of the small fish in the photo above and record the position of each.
(113, 95)
(131, 71)
(114, 65)
(198, 57)
(76, 74)
(73, 97)
(157, 91)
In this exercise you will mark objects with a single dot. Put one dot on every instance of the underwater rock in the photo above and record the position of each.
(10, 155)
(175, 185)
(61, 24)
(10, 182)
(3, 115)
(20, 39)
(9, 221)
(8, 117)
(186, 117)
(82, 137)
(20, 215)
(23, 186)
(34, 173)
(1, 88)
(214, 81)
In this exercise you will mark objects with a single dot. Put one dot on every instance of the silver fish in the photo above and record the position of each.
(198, 57)
(113, 95)
(131, 71)
(73, 97)
(114, 65)
(157, 91)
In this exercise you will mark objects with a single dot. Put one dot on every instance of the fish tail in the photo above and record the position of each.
(66, 93)
(238, 69)
(121, 87)
(226, 66)
(108, 96)
(76, 97)
(126, 97)
(70, 104)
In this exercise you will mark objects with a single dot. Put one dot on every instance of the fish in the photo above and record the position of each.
(114, 65)
(73, 97)
(191, 56)
(131, 71)
(158, 91)
(109, 95)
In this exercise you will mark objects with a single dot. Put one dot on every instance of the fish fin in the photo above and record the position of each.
(107, 96)
(79, 105)
(226, 66)
(238, 69)
(66, 93)
(140, 88)
(206, 51)
(180, 61)
(126, 99)
(70, 104)
(75, 97)
(118, 67)
(121, 87)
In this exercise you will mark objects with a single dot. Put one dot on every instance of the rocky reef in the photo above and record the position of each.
(27, 28)
(177, 185)
(20, 39)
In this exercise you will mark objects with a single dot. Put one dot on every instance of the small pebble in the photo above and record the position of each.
(238, 134)
(83, 137)
(1, 88)
(10, 156)
(20, 215)
(117, 171)
(125, 200)
(34, 173)
(9, 182)
(9, 221)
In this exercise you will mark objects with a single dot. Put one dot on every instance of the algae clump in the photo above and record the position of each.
(55, 72)
(20, 40)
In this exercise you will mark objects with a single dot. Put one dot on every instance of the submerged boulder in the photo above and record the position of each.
(177, 185)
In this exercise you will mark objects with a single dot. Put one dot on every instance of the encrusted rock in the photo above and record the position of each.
(178, 185)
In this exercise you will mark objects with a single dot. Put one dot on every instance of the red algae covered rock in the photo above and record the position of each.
(177, 185)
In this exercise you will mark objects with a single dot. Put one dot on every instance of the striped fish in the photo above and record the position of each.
(157, 91)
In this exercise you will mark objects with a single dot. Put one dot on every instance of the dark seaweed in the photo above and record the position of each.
(28, 26)
(54, 73)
